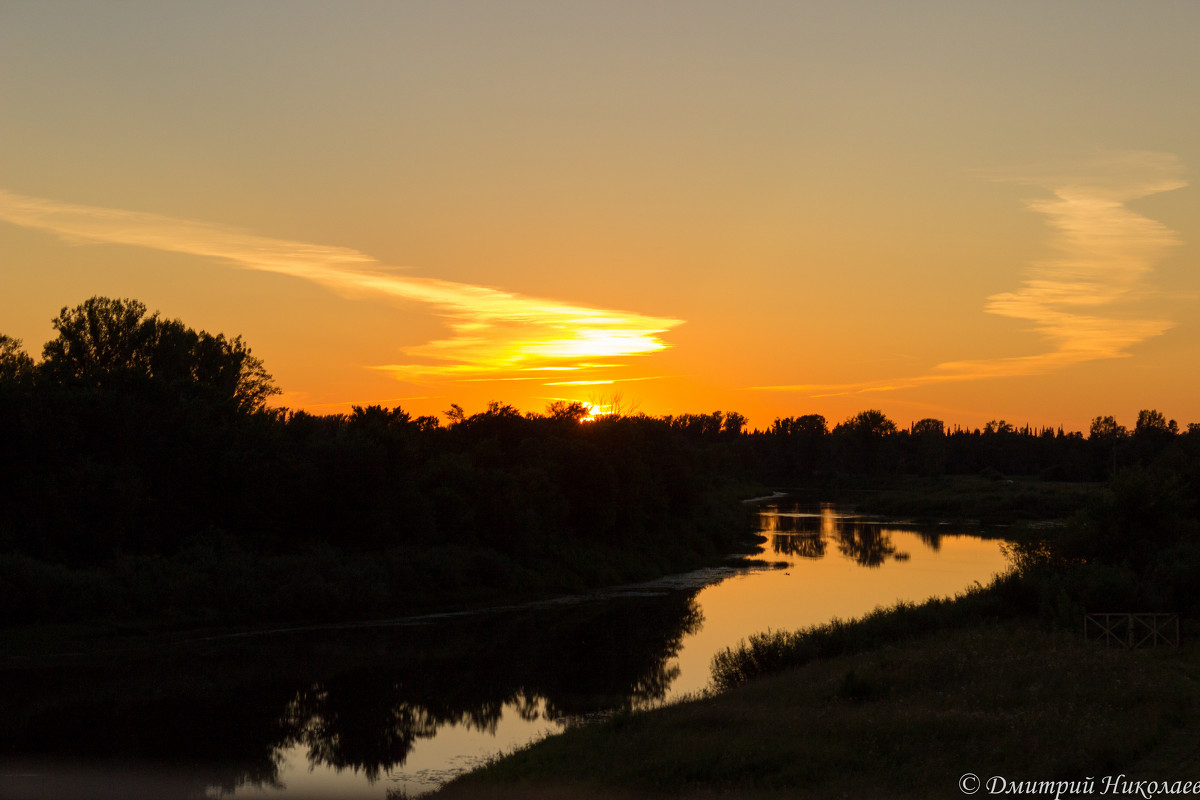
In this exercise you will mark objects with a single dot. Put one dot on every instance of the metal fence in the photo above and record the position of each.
(1131, 631)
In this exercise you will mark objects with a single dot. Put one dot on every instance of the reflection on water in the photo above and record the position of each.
(805, 534)
(359, 712)
(351, 702)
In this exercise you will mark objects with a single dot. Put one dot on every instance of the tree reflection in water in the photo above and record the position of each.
(801, 545)
(357, 700)
(867, 545)
(805, 531)
(360, 699)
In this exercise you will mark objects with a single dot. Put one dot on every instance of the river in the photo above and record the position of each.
(383, 709)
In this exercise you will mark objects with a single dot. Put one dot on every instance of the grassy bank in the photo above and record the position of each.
(989, 500)
(903, 719)
(906, 700)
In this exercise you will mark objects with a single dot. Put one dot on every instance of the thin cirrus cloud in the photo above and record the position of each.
(496, 334)
(1083, 299)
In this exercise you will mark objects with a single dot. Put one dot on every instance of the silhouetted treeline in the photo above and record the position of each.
(93, 474)
(141, 470)
(794, 449)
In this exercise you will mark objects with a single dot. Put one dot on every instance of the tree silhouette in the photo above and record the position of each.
(562, 410)
(929, 427)
(99, 341)
(734, 423)
(1107, 429)
(377, 420)
(872, 424)
(105, 343)
(861, 438)
(15, 363)
(1151, 422)
(929, 446)
(1153, 433)
(1105, 435)
(800, 445)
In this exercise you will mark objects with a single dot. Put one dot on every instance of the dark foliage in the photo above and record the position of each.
(143, 474)
(795, 450)
(143, 477)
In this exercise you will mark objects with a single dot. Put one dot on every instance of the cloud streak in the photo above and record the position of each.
(1079, 300)
(494, 332)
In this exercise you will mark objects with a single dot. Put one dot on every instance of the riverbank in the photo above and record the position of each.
(905, 719)
(218, 586)
(463, 584)
(988, 500)
(31, 644)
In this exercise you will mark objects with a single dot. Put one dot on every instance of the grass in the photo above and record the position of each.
(774, 651)
(904, 719)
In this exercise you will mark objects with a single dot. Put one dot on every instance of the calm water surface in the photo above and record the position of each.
(366, 711)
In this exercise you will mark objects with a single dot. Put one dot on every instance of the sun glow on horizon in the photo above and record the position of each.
(969, 210)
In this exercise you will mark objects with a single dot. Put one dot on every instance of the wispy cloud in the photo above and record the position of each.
(1083, 300)
(494, 332)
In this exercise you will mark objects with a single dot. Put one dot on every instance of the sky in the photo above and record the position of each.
(961, 210)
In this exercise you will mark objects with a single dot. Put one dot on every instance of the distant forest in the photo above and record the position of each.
(144, 474)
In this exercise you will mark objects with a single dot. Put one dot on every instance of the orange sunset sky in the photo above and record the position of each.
(963, 210)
